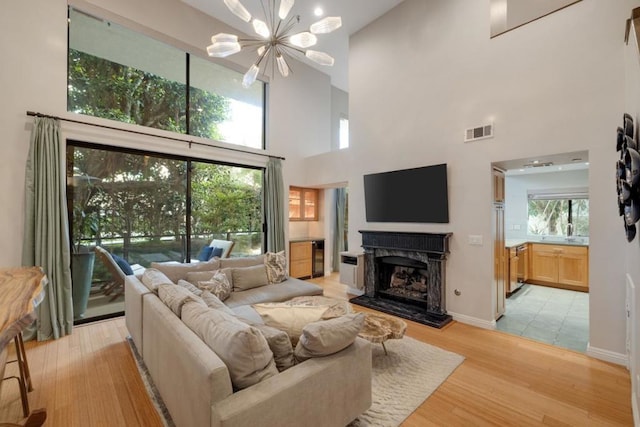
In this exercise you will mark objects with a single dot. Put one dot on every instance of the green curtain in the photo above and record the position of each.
(274, 205)
(339, 244)
(46, 231)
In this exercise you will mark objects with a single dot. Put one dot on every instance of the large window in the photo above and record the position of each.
(137, 205)
(118, 74)
(558, 213)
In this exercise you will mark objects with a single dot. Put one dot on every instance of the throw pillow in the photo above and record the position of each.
(218, 285)
(153, 278)
(190, 287)
(214, 302)
(328, 336)
(276, 263)
(216, 252)
(176, 271)
(175, 297)
(291, 319)
(123, 264)
(242, 348)
(202, 276)
(205, 253)
(280, 346)
(249, 277)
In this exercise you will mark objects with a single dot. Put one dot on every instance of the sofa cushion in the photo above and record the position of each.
(249, 277)
(153, 278)
(175, 297)
(214, 302)
(176, 271)
(276, 263)
(280, 345)
(328, 336)
(190, 287)
(242, 348)
(242, 261)
(286, 290)
(291, 319)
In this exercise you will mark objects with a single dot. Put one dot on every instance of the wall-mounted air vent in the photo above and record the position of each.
(481, 132)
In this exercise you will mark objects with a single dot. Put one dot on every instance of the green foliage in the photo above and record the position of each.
(101, 88)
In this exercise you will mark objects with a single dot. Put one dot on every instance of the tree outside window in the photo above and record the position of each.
(550, 217)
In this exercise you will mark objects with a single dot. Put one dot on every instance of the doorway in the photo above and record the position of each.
(546, 245)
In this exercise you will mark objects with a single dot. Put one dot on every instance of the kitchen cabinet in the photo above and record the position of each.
(560, 265)
(498, 186)
(300, 259)
(303, 204)
(306, 258)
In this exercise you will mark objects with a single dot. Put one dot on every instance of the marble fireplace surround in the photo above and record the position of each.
(430, 249)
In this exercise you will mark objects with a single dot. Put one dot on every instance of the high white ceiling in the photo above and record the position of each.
(355, 15)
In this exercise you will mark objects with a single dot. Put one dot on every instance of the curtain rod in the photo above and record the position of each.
(190, 142)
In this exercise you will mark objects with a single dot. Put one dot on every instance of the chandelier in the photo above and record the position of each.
(276, 39)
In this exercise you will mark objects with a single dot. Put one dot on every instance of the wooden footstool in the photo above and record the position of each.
(378, 328)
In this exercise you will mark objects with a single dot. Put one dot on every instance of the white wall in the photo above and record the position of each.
(427, 70)
(516, 202)
(632, 250)
(34, 77)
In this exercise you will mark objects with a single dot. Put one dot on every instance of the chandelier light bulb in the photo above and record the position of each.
(261, 28)
(303, 40)
(224, 38)
(223, 49)
(250, 76)
(283, 67)
(238, 9)
(261, 49)
(320, 57)
(285, 8)
(326, 25)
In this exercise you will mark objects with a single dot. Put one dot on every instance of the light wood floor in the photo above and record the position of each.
(90, 379)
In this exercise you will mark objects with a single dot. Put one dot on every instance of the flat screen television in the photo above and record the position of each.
(409, 195)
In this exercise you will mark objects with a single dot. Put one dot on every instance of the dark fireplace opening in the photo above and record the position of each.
(403, 279)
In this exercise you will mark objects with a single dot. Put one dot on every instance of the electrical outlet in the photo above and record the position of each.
(475, 239)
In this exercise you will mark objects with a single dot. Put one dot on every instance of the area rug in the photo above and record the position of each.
(152, 391)
(402, 380)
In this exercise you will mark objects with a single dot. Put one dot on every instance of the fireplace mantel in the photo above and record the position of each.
(430, 249)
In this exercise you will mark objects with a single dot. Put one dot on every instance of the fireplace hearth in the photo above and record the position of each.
(405, 275)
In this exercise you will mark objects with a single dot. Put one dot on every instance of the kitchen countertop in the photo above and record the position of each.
(579, 241)
(305, 239)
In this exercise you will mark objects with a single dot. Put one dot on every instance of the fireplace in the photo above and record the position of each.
(405, 275)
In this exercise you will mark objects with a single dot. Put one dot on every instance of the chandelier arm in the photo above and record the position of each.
(261, 57)
(289, 25)
(292, 47)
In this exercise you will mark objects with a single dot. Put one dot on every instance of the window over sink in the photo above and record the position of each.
(560, 213)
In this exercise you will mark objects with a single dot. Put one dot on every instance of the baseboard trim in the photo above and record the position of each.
(606, 355)
(354, 291)
(474, 321)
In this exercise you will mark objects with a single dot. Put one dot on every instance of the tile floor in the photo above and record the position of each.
(554, 316)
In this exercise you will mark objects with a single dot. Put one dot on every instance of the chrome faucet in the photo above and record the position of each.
(570, 237)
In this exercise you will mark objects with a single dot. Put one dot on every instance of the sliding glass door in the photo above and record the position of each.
(147, 207)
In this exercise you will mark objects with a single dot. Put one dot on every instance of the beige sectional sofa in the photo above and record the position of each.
(195, 383)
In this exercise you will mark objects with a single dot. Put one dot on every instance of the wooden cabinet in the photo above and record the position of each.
(300, 259)
(303, 204)
(498, 185)
(563, 265)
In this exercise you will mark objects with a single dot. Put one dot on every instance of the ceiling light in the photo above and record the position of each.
(586, 163)
(276, 39)
(535, 162)
(318, 11)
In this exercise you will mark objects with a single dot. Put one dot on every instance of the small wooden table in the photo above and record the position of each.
(21, 290)
(378, 328)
